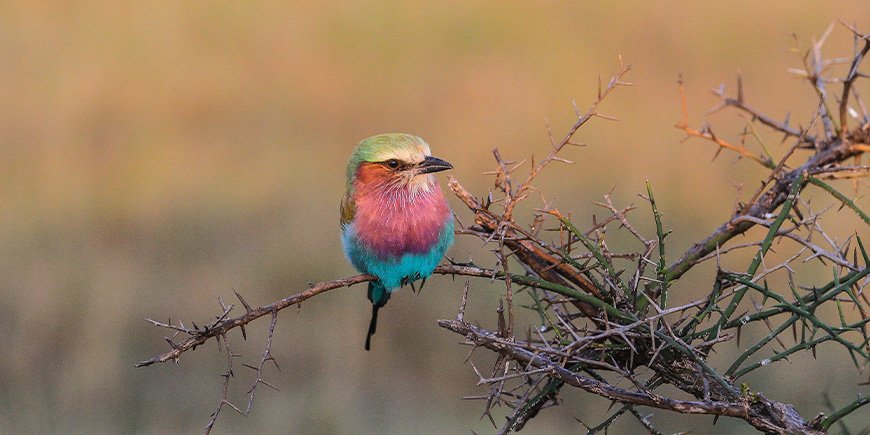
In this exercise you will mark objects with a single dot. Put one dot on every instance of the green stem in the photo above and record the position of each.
(568, 291)
(806, 314)
(662, 269)
(599, 256)
(844, 411)
(817, 298)
(765, 246)
(785, 325)
(842, 198)
(804, 345)
(711, 305)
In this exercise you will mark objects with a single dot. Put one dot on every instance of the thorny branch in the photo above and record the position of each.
(522, 191)
(832, 150)
(757, 410)
(605, 324)
(669, 345)
(223, 324)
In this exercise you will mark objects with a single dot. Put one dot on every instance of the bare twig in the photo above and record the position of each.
(592, 111)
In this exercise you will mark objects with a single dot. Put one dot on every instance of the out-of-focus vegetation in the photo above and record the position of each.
(157, 155)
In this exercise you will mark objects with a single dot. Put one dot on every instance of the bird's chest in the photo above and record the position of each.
(390, 227)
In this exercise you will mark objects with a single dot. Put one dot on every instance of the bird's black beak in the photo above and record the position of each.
(433, 164)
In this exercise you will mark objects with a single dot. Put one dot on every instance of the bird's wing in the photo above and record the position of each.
(348, 210)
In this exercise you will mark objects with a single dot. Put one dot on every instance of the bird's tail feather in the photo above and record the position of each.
(379, 297)
(373, 326)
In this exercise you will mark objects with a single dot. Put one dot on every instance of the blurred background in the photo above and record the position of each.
(157, 155)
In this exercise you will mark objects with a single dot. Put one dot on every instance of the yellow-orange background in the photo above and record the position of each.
(157, 155)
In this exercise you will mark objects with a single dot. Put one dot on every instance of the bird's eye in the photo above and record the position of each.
(392, 163)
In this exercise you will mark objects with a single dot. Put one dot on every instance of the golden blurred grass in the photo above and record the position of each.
(156, 155)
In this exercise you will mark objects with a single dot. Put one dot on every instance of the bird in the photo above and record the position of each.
(396, 223)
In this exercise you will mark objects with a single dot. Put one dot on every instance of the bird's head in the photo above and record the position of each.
(394, 160)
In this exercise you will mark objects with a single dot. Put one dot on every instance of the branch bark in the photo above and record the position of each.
(198, 336)
(767, 203)
(765, 415)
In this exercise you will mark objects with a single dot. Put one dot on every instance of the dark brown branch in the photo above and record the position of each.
(765, 415)
(220, 328)
(740, 104)
(837, 152)
(707, 133)
(526, 249)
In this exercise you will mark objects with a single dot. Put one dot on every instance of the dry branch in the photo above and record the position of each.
(756, 410)
(223, 325)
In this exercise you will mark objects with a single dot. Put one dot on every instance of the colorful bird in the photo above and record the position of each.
(395, 222)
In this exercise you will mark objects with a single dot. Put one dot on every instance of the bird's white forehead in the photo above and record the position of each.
(411, 154)
(414, 152)
(400, 146)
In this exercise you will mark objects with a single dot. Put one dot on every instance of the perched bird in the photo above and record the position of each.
(395, 222)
